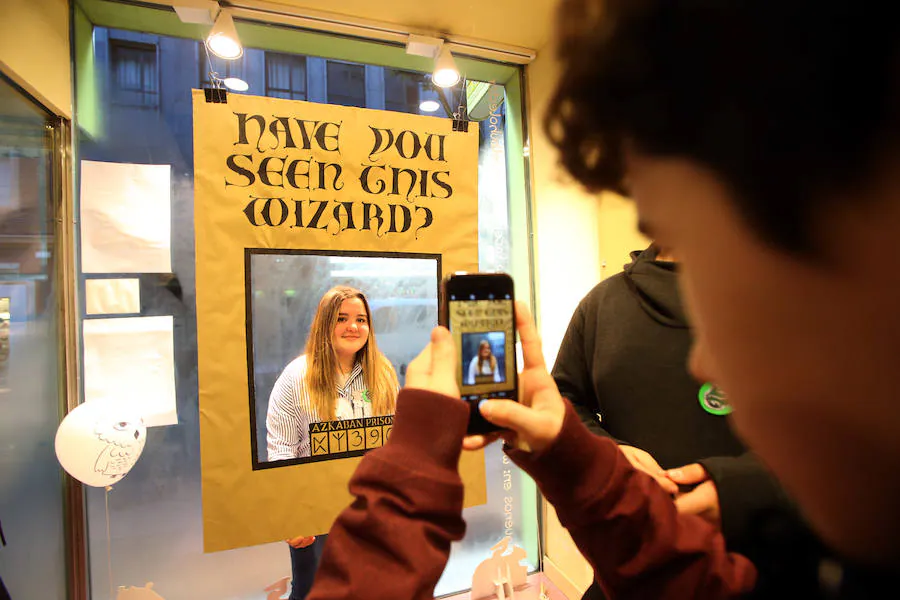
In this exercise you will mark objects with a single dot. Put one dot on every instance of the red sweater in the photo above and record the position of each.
(392, 543)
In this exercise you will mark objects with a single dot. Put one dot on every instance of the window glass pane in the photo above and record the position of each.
(32, 563)
(401, 90)
(157, 507)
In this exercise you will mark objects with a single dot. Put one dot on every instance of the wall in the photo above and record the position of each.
(567, 241)
(579, 240)
(34, 50)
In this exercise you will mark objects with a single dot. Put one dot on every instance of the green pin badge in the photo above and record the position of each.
(713, 400)
(365, 396)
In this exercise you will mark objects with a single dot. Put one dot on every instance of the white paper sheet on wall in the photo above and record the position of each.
(112, 296)
(125, 218)
(132, 358)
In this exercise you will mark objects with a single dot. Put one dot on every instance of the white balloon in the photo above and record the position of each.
(99, 441)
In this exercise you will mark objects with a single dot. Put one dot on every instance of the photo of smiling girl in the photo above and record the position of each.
(341, 375)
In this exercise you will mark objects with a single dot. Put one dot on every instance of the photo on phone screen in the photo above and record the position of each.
(483, 329)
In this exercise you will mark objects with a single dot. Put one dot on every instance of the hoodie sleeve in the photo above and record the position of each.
(393, 541)
(627, 527)
(572, 373)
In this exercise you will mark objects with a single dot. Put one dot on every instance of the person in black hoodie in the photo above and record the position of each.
(623, 366)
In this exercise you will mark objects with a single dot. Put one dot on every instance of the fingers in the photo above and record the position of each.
(510, 415)
(658, 474)
(702, 501)
(649, 466)
(532, 353)
(644, 461)
(688, 474)
(666, 484)
(479, 441)
(301, 541)
(534, 429)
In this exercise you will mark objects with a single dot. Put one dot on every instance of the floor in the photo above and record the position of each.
(539, 587)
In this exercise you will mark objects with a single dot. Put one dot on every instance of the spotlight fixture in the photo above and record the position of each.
(429, 105)
(223, 40)
(445, 72)
(235, 84)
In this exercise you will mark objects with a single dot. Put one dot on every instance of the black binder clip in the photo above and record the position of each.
(460, 125)
(216, 95)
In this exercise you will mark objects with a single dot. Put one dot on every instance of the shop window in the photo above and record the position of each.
(285, 76)
(346, 84)
(135, 74)
(158, 505)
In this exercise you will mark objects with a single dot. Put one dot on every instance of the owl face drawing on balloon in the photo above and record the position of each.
(124, 443)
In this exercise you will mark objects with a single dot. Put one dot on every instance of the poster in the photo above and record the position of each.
(132, 358)
(290, 197)
(125, 218)
(112, 296)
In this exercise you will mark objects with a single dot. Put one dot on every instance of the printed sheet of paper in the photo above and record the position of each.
(125, 218)
(132, 358)
(112, 296)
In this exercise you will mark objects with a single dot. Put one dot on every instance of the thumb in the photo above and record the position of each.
(509, 415)
(443, 352)
(688, 474)
(418, 372)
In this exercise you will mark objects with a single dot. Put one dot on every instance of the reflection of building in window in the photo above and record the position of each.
(346, 84)
(401, 90)
(221, 67)
(285, 76)
(135, 77)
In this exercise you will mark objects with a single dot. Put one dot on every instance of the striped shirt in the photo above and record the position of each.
(291, 410)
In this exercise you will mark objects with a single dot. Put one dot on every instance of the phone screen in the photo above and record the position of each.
(483, 329)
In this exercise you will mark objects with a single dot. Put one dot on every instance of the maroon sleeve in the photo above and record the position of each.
(627, 526)
(394, 539)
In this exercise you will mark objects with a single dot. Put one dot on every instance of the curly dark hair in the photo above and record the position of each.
(787, 101)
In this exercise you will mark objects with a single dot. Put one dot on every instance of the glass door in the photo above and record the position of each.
(32, 561)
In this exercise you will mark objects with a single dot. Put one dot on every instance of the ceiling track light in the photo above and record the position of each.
(223, 39)
(445, 72)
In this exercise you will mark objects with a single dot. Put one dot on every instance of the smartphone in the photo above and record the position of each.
(479, 310)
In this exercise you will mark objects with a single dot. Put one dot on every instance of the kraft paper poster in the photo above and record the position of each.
(320, 192)
(125, 218)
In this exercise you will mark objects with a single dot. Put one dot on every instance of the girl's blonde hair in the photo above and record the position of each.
(492, 359)
(322, 360)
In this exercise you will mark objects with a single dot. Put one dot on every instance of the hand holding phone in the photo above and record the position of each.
(479, 311)
(535, 422)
